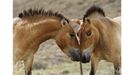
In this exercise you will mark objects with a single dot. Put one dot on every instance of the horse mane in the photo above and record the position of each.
(41, 12)
(92, 10)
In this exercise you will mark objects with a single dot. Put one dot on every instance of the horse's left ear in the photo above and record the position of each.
(64, 22)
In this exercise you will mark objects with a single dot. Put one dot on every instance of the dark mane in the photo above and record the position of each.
(92, 10)
(41, 12)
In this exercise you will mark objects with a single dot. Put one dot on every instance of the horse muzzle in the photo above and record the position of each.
(85, 57)
(86, 54)
(74, 54)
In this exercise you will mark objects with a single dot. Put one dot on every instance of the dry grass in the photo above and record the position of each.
(47, 62)
(70, 8)
(67, 69)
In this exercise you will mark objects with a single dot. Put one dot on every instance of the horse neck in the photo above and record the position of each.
(32, 35)
(108, 35)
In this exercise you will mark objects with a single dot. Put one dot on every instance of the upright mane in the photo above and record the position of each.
(41, 12)
(92, 10)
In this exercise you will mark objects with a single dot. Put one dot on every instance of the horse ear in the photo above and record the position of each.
(64, 22)
(87, 20)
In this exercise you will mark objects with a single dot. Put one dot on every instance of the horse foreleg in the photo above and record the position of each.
(92, 70)
(94, 64)
(28, 66)
(117, 70)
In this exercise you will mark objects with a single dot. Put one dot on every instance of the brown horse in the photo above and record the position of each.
(33, 27)
(100, 39)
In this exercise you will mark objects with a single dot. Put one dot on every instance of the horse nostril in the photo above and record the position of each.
(85, 58)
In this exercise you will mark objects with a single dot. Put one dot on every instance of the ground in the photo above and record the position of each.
(50, 60)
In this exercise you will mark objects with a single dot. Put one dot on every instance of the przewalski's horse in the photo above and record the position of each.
(36, 26)
(100, 39)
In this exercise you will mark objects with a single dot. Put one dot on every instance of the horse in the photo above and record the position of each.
(100, 39)
(34, 26)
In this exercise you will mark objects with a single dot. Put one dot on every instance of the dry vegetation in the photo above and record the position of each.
(49, 60)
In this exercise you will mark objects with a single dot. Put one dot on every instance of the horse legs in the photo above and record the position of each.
(92, 70)
(116, 71)
(94, 64)
(28, 65)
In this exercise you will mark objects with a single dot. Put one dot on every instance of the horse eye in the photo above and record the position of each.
(89, 33)
(72, 35)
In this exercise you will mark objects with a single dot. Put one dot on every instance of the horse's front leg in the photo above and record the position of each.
(28, 65)
(94, 64)
(92, 70)
(116, 70)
